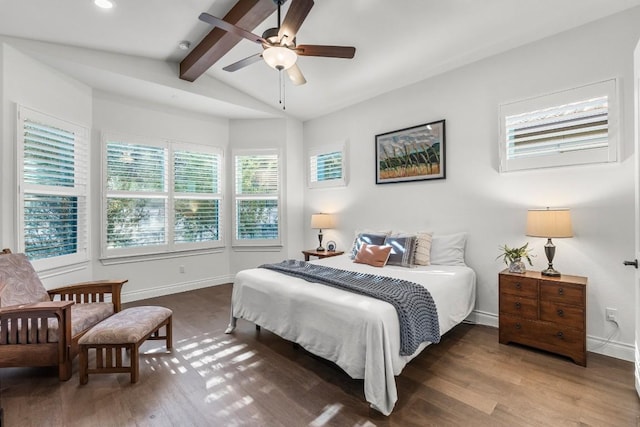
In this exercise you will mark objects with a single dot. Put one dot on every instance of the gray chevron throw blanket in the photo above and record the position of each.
(417, 312)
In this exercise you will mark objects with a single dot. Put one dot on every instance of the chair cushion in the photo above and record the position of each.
(83, 316)
(19, 282)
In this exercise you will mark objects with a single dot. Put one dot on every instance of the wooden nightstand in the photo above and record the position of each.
(548, 313)
(320, 254)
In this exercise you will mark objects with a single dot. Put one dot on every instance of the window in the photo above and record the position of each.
(327, 166)
(160, 197)
(576, 126)
(256, 210)
(52, 194)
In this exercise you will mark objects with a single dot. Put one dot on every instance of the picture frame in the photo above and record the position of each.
(416, 153)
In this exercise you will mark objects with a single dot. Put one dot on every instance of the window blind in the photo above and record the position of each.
(136, 195)
(197, 178)
(325, 167)
(257, 174)
(576, 126)
(161, 196)
(53, 192)
(136, 168)
(257, 198)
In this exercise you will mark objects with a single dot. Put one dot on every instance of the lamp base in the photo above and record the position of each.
(320, 248)
(550, 272)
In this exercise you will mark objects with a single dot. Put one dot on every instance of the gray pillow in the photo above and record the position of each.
(403, 248)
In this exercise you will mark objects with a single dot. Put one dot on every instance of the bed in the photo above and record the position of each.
(358, 333)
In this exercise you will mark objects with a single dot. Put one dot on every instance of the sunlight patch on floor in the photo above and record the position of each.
(235, 406)
(242, 357)
(327, 414)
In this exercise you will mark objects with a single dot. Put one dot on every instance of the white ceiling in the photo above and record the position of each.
(398, 43)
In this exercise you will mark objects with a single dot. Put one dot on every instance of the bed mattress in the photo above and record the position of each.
(358, 333)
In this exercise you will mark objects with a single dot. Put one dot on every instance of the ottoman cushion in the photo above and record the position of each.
(127, 326)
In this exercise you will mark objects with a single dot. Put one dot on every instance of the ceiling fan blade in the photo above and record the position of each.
(327, 51)
(296, 75)
(296, 14)
(230, 28)
(243, 62)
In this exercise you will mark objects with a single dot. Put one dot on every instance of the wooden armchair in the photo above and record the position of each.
(42, 328)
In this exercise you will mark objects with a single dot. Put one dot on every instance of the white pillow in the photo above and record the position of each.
(448, 249)
(423, 248)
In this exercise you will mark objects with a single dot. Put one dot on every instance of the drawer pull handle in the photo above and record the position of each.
(560, 291)
(560, 312)
(560, 335)
(518, 285)
(518, 305)
(518, 325)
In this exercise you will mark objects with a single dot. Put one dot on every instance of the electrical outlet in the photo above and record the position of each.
(611, 314)
(182, 269)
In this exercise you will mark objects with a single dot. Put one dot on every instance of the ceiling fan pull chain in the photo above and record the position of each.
(284, 94)
(282, 100)
(280, 86)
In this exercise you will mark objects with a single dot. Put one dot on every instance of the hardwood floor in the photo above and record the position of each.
(255, 378)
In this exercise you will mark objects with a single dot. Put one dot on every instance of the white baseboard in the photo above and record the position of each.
(483, 318)
(616, 349)
(175, 288)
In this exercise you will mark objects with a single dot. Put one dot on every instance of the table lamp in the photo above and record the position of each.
(320, 221)
(549, 223)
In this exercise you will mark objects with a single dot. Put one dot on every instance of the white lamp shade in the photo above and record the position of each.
(321, 221)
(280, 58)
(549, 223)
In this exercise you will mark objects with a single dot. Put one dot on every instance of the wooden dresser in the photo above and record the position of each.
(548, 313)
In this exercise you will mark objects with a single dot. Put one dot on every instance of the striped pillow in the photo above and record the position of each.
(403, 248)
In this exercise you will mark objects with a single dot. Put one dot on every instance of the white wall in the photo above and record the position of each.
(148, 278)
(285, 135)
(489, 205)
(28, 82)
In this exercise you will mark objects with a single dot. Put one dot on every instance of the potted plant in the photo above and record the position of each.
(513, 257)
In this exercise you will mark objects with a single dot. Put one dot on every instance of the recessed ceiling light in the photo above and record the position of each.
(104, 4)
(184, 45)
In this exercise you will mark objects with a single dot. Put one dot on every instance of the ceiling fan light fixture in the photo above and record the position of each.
(279, 58)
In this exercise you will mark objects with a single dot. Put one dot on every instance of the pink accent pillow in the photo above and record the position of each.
(374, 255)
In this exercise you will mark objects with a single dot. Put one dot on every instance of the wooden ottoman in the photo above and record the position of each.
(125, 330)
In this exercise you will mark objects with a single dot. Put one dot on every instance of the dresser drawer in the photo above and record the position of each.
(562, 293)
(543, 335)
(518, 306)
(562, 340)
(562, 314)
(520, 286)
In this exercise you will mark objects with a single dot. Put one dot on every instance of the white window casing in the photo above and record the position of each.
(52, 216)
(160, 196)
(327, 166)
(571, 127)
(257, 204)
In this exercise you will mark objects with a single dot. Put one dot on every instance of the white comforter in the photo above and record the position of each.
(358, 333)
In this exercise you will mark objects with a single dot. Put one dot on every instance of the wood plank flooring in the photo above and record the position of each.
(255, 378)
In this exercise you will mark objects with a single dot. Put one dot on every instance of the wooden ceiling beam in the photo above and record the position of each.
(247, 14)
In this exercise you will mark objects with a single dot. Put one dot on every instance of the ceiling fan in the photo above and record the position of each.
(279, 44)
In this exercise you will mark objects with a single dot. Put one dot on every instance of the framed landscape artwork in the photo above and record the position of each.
(412, 154)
